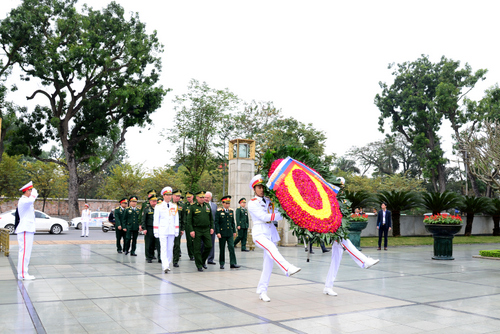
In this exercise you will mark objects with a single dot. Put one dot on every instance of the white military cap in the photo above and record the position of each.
(27, 186)
(257, 179)
(167, 191)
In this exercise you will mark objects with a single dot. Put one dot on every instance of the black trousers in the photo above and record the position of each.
(383, 230)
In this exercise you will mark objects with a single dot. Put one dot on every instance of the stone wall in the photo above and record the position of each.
(414, 226)
(55, 207)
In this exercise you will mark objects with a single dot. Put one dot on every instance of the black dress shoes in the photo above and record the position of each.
(326, 250)
(235, 266)
(205, 266)
(211, 262)
(126, 253)
(133, 254)
(150, 261)
(222, 267)
(154, 257)
(245, 250)
(176, 265)
(159, 261)
(191, 259)
(119, 252)
(200, 269)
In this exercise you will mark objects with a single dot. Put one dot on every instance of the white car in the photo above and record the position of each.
(96, 220)
(43, 222)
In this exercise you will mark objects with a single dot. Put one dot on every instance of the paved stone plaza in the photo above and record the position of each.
(89, 288)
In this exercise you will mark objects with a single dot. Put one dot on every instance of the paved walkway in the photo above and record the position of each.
(89, 288)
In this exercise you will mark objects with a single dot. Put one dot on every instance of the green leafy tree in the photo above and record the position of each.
(11, 176)
(439, 202)
(8, 120)
(483, 147)
(160, 178)
(346, 165)
(397, 202)
(266, 124)
(358, 198)
(472, 205)
(97, 71)
(423, 93)
(48, 178)
(125, 180)
(199, 114)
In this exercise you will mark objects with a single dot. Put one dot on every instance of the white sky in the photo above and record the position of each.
(319, 61)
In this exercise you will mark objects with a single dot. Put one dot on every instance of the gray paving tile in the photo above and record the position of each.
(92, 289)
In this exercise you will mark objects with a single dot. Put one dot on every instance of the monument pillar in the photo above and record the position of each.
(241, 169)
(241, 156)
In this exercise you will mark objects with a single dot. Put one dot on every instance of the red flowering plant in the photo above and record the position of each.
(356, 217)
(443, 218)
(312, 208)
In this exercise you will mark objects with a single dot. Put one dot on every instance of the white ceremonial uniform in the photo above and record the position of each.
(25, 232)
(85, 222)
(361, 260)
(265, 236)
(166, 228)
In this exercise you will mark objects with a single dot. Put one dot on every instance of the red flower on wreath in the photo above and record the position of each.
(307, 201)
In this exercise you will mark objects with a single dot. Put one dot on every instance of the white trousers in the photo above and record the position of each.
(337, 251)
(25, 242)
(85, 228)
(166, 250)
(271, 255)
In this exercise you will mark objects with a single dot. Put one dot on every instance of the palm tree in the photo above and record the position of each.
(494, 211)
(398, 201)
(347, 165)
(437, 202)
(358, 198)
(472, 205)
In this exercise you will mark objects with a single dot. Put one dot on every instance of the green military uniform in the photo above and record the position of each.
(224, 225)
(131, 221)
(242, 223)
(189, 240)
(200, 220)
(150, 242)
(120, 234)
(181, 209)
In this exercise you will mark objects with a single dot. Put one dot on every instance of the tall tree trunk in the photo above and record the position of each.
(396, 223)
(468, 225)
(73, 209)
(496, 225)
(441, 178)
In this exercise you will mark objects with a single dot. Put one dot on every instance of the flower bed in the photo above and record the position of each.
(443, 219)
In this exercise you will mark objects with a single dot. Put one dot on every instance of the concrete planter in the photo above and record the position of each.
(443, 239)
(355, 229)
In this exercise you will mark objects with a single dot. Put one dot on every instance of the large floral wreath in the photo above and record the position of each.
(313, 209)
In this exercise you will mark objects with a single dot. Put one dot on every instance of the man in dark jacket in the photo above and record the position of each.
(384, 225)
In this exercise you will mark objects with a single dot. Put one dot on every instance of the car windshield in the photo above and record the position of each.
(93, 215)
(40, 215)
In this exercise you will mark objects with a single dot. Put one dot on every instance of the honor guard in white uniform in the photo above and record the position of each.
(85, 221)
(166, 227)
(26, 230)
(337, 250)
(266, 236)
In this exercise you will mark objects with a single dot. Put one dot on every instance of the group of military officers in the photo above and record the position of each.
(196, 218)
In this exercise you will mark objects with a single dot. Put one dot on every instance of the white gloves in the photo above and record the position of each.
(157, 235)
(176, 234)
(34, 193)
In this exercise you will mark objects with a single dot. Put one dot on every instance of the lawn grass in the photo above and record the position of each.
(419, 241)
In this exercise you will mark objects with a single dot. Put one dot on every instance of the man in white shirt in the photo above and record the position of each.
(266, 236)
(166, 227)
(85, 221)
(26, 230)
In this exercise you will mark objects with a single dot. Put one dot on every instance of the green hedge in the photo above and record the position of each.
(490, 253)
